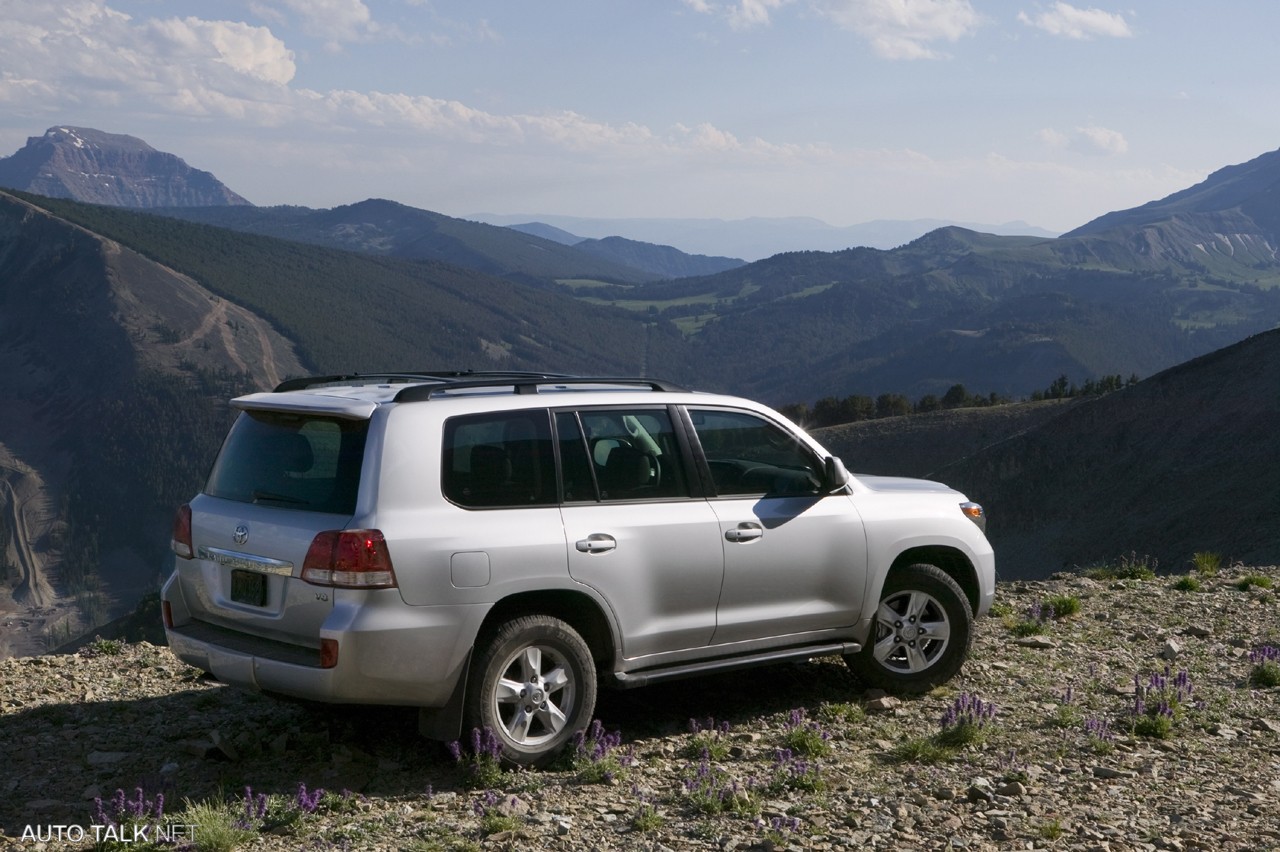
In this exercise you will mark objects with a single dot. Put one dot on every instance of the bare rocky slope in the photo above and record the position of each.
(1063, 761)
(92, 337)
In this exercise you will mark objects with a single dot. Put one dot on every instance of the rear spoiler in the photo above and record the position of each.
(306, 403)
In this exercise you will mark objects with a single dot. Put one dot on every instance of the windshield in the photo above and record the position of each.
(300, 461)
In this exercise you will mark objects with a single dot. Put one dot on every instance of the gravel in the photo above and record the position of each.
(1059, 766)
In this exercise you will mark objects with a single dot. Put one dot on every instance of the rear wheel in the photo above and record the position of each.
(534, 686)
(923, 628)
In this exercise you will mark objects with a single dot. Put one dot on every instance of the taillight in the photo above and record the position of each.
(328, 653)
(181, 541)
(349, 559)
(166, 612)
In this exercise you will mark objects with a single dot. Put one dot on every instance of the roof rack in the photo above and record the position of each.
(532, 385)
(412, 376)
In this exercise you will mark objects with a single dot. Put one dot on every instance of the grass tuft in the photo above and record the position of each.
(1206, 564)
(1130, 567)
(1254, 581)
(1266, 667)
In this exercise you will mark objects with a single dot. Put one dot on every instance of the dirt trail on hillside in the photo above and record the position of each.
(266, 368)
(33, 587)
(30, 606)
(216, 317)
(215, 331)
(269, 362)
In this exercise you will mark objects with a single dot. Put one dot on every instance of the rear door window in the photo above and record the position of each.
(500, 459)
(631, 454)
(298, 461)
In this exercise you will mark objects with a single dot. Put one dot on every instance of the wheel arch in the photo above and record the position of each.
(951, 561)
(576, 609)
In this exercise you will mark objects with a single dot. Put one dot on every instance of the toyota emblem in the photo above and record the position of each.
(241, 534)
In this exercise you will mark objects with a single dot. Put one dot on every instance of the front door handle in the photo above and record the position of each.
(745, 532)
(596, 543)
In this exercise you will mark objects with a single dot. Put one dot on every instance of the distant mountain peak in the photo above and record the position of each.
(87, 137)
(97, 167)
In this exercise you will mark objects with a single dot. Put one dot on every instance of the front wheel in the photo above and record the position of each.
(533, 685)
(923, 628)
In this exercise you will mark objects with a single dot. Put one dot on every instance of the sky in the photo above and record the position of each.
(848, 111)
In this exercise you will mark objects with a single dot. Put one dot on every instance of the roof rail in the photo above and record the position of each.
(533, 385)
(412, 376)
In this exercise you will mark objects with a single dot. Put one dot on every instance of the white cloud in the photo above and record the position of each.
(903, 29)
(1102, 140)
(88, 53)
(22, 90)
(1053, 138)
(741, 14)
(895, 29)
(251, 51)
(1086, 140)
(1071, 22)
(339, 20)
(750, 13)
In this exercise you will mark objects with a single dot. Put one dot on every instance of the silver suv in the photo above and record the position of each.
(491, 546)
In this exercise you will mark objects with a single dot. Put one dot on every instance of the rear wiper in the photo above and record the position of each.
(277, 498)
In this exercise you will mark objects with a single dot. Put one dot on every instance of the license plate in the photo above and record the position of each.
(249, 587)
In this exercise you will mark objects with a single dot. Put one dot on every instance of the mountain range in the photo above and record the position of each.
(390, 229)
(124, 331)
(752, 238)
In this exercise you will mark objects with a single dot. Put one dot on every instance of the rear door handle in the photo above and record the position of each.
(596, 543)
(745, 532)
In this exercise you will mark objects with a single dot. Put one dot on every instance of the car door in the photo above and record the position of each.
(795, 558)
(636, 532)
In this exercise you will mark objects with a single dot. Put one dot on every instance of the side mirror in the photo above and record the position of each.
(836, 474)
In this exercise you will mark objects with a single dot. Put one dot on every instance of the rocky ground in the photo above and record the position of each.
(1064, 763)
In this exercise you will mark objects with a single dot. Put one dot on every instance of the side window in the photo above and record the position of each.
(632, 454)
(750, 455)
(499, 459)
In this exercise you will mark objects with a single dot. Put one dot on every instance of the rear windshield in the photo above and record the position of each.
(299, 461)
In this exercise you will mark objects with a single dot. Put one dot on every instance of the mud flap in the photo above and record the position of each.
(445, 723)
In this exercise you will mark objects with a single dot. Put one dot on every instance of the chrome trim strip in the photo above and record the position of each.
(246, 562)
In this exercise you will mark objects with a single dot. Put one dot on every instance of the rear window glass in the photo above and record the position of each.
(295, 461)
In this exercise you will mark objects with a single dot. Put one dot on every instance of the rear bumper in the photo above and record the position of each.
(399, 655)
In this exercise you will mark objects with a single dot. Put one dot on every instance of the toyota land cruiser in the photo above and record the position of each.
(491, 546)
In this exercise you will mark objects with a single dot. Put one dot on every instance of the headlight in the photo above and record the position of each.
(974, 512)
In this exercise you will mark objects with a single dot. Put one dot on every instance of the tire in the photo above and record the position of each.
(534, 685)
(921, 634)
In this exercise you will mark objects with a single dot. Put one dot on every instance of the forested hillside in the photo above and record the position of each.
(1006, 314)
(386, 228)
(1156, 470)
(350, 312)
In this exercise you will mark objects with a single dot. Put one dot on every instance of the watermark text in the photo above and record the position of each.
(124, 833)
